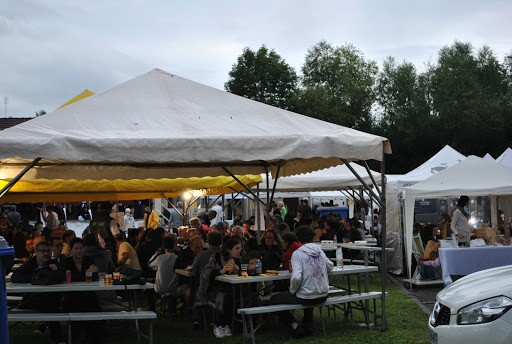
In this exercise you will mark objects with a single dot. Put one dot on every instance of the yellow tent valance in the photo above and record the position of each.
(59, 190)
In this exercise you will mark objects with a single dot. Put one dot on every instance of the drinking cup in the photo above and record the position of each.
(108, 279)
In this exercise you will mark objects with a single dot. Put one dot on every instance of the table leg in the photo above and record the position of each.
(69, 332)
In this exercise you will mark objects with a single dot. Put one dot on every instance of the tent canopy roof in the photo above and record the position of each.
(505, 158)
(329, 179)
(149, 126)
(473, 176)
(443, 159)
(44, 190)
(83, 95)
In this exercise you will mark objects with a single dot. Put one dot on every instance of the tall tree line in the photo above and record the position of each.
(464, 99)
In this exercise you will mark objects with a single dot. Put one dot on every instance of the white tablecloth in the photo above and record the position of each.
(464, 261)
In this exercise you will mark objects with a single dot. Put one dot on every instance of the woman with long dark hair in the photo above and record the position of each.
(225, 262)
(272, 250)
(460, 226)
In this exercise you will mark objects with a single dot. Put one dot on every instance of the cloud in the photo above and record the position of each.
(51, 50)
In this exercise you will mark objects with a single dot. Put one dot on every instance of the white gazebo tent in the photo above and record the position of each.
(473, 176)
(505, 158)
(159, 125)
(488, 157)
(442, 160)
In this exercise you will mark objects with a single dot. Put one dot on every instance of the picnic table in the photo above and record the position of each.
(286, 275)
(132, 313)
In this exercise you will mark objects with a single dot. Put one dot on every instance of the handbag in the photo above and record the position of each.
(48, 276)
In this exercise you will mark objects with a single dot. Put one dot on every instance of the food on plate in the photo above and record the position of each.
(275, 272)
(240, 277)
(244, 274)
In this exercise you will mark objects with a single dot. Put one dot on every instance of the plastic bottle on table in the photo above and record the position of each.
(259, 268)
(335, 239)
(339, 258)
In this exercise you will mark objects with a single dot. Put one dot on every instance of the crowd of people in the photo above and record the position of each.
(206, 247)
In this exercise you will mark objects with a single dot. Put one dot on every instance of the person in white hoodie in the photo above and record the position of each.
(309, 284)
(129, 221)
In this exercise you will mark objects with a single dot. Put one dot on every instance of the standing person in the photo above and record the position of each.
(13, 218)
(305, 210)
(309, 284)
(175, 218)
(129, 221)
(150, 219)
(52, 219)
(219, 217)
(460, 226)
(103, 225)
(282, 209)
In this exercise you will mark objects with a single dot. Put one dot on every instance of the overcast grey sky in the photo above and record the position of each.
(51, 50)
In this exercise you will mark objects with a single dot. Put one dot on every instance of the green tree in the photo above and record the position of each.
(263, 76)
(40, 113)
(404, 115)
(344, 79)
(469, 93)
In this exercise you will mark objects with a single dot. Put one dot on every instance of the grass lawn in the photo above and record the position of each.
(407, 323)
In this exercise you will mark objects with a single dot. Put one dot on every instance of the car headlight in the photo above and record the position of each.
(484, 311)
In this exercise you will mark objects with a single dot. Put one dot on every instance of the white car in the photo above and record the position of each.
(474, 309)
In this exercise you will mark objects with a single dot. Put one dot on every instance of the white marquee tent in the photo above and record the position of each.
(161, 125)
(442, 160)
(329, 179)
(505, 158)
(488, 157)
(473, 176)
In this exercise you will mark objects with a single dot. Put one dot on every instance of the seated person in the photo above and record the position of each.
(225, 262)
(20, 240)
(202, 258)
(42, 302)
(290, 244)
(81, 301)
(56, 244)
(183, 236)
(253, 251)
(186, 260)
(309, 283)
(331, 230)
(127, 259)
(166, 280)
(99, 255)
(271, 247)
(29, 247)
(351, 233)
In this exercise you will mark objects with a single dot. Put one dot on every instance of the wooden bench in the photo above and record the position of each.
(331, 301)
(28, 315)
